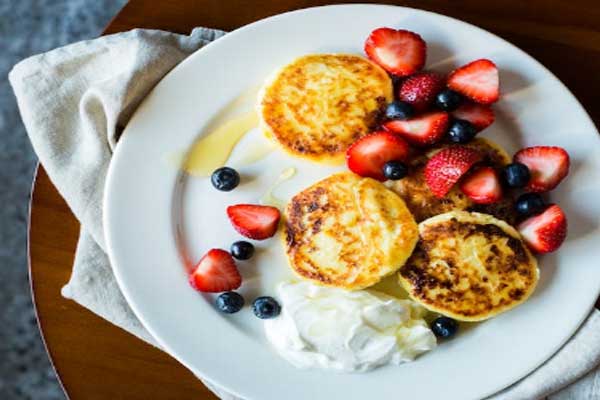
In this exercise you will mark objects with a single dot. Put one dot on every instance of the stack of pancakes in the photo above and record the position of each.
(463, 260)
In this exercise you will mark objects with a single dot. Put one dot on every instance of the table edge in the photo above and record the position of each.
(40, 325)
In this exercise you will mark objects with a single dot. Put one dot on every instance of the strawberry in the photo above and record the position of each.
(420, 90)
(479, 115)
(548, 165)
(399, 52)
(446, 167)
(421, 131)
(367, 155)
(477, 80)
(254, 221)
(545, 232)
(482, 186)
(216, 272)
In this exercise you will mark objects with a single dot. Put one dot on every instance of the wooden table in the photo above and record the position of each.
(96, 360)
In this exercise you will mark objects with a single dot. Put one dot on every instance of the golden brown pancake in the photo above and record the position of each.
(319, 104)
(424, 204)
(348, 232)
(469, 266)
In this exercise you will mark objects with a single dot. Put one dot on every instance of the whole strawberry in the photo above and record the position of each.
(421, 89)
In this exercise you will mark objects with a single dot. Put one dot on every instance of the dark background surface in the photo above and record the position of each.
(28, 27)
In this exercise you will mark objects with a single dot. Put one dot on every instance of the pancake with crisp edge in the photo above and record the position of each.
(348, 232)
(469, 266)
(319, 104)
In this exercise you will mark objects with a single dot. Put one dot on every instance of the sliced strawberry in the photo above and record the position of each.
(548, 165)
(216, 272)
(477, 80)
(423, 130)
(482, 186)
(399, 52)
(545, 232)
(446, 167)
(366, 156)
(254, 221)
(479, 115)
(420, 89)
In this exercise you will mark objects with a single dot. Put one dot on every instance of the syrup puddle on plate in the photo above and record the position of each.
(255, 150)
(213, 150)
(269, 199)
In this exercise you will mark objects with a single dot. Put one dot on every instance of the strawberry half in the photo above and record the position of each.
(367, 155)
(545, 232)
(216, 272)
(421, 131)
(254, 221)
(446, 167)
(399, 52)
(482, 186)
(479, 115)
(548, 166)
(477, 80)
(420, 89)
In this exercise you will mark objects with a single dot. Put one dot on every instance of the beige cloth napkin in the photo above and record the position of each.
(75, 101)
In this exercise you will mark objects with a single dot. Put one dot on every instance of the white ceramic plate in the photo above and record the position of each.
(154, 215)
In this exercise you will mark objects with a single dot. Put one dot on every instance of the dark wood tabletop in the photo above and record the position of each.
(96, 360)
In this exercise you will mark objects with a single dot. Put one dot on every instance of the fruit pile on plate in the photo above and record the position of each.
(430, 114)
(430, 109)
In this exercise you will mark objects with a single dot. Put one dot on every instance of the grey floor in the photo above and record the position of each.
(28, 27)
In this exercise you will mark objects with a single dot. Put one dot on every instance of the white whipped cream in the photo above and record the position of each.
(346, 331)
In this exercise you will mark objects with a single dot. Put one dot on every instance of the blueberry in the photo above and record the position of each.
(230, 302)
(529, 204)
(461, 131)
(225, 179)
(242, 250)
(516, 175)
(399, 110)
(444, 327)
(395, 170)
(266, 307)
(448, 100)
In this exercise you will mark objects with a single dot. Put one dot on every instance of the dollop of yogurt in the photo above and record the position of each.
(352, 331)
